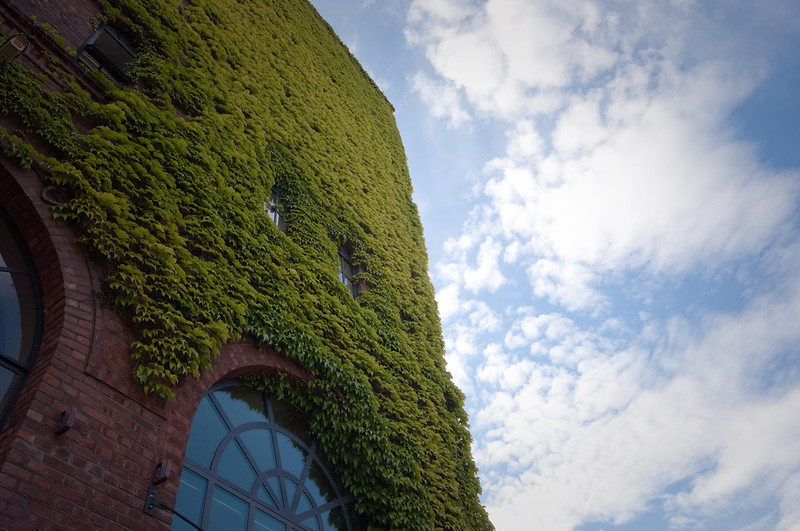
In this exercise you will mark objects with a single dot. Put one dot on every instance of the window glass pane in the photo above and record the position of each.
(266, 461)
(28, 313)
(10, 254)
(234, 466)
(8, 382)
(292, 457)
(242, 405)
(227, 511)
(312, 522)
(10, 317)
(304, 504)
(263, 521)
(345, 267)
(208, 430)
(291, 488)
(273, 207)
(275, 485)
(191, 496)
(259, 443)
(266, 497)
(318, 485)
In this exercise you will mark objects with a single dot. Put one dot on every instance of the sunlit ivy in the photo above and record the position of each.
(165, 184)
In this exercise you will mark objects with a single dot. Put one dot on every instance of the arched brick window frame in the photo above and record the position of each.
(235, 361)
(252, 463)
(21, 199)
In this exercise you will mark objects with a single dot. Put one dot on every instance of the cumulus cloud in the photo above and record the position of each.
(657, 183)
(463, 339)
(602, 440)
(639, 169)
(622, 173)
(442, 98)
(487, 274)
(500, 52)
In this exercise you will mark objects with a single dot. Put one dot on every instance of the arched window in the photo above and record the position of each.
(20, 314)
(251, 463)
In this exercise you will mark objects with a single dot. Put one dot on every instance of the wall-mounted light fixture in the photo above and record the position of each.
(13, 47)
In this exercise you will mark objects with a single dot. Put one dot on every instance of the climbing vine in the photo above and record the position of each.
(165, 183)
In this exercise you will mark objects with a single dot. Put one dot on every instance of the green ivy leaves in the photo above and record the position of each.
(165, 184)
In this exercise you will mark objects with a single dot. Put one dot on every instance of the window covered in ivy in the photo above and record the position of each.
(273, 207)
(20, 314)
(346, 271)
(251, 463)
(109, 51)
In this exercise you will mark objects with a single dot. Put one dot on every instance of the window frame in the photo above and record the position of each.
(21, 370)
(214, 479)
(347, 271)
(109, 51)
(273, 206)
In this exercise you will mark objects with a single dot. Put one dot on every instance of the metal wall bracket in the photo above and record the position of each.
(162, 472)
(66, 420)
(153, 502)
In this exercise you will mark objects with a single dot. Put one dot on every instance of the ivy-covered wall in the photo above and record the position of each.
(165, 183)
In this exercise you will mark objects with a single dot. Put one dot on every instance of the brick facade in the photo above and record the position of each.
(73, 19)
(95, 475)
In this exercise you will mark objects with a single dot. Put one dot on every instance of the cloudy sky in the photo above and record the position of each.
(610, 197)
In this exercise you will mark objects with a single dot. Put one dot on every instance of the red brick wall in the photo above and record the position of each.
(96, 475)
(72, 19)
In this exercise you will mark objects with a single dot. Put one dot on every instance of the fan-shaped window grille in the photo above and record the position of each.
(251, 464)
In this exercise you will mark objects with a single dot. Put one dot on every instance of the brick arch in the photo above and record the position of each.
(63, 276)
(235, 361)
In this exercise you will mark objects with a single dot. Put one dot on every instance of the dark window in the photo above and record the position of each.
(20, 314)
(273, 207)
(346, 271)
(251, 464)
(13, 47)
(107, 50)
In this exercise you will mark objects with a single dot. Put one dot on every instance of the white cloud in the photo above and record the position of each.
(463, 337)
(442, 98)
(666, 188)
(525, 143)
(499, 52)
(568, 284)
(439, 12)
(621, 169)
(487, 274)
(580, 128)
(448, 301)
(650, 180)
(641, 169)
(604, 440)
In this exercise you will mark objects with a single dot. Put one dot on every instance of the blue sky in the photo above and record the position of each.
(610, 194)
